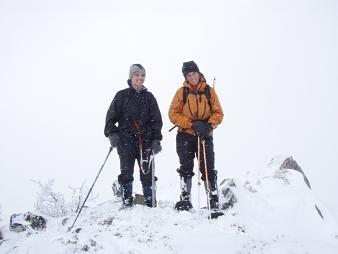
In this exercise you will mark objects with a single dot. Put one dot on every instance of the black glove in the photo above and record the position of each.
(114, 140)
(156, 146)
(202, 128)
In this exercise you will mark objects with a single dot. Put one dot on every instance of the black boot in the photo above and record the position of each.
(185, 203)
(214, 203)
(127, 194)
(148, 196)
(213, 199)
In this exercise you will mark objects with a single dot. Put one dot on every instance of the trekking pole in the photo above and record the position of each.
(172, 128)
(206, 178)
(199, 171)
(153, 184)
(91, 188)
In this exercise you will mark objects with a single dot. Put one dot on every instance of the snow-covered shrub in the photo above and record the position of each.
(53, 203)
(49, 202)
(78, 196)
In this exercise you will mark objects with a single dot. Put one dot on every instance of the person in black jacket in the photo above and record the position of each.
(138, 134)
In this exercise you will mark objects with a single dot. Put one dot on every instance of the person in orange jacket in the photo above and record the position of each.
(196, 111)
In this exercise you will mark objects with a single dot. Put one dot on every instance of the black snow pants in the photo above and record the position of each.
(186, 148)
(129, 151)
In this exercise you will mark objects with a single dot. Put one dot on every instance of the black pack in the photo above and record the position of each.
(186, 91)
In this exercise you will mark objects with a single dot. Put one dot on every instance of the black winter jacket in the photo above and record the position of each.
(129, 107)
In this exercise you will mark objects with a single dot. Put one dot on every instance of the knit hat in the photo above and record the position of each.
(189, 67)
(136, 68)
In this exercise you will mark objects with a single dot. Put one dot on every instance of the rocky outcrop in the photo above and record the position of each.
(227, 193)
(290, 163)
(21, 222)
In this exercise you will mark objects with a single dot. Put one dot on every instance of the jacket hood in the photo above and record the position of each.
(201, 84)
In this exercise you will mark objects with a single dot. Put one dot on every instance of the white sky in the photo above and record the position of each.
(62, 62)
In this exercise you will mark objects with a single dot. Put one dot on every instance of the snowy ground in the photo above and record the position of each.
(275, 213)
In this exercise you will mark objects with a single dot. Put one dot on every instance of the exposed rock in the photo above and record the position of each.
(21, 222)
(227, 195)
(319, 212)
(290, 163)
(64, 221)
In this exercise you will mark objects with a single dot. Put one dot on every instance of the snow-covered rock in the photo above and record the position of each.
(26, 221)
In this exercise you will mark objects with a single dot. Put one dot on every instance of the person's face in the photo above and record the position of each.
(193, 78)
(137, 79)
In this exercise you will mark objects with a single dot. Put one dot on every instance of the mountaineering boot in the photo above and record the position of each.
(213, 199)
(213, 195)
(127, 194)
(185, 203)
(148, 196)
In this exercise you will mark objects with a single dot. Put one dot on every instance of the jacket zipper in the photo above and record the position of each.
(190, 108)
(205, 108)
(196, 96)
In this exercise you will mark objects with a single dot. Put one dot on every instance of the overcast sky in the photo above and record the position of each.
(62, 62)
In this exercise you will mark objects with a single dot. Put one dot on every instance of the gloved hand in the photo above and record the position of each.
(156, 146)
(114, 140)
(202, 128)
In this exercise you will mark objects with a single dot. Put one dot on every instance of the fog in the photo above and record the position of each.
(62, 62)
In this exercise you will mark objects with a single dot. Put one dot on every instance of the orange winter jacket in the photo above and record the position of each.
(196, 108)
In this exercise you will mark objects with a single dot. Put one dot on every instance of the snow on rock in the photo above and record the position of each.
(273, 212)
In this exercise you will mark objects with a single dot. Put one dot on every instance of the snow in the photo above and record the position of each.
(275, 213)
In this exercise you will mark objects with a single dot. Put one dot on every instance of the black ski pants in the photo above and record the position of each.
(129, 151)
(186, 148)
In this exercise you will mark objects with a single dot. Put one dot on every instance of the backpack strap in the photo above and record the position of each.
(208, 94)
(206, 91)
(186, 92)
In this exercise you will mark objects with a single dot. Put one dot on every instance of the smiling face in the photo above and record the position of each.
(137, 80)
(193, 78)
